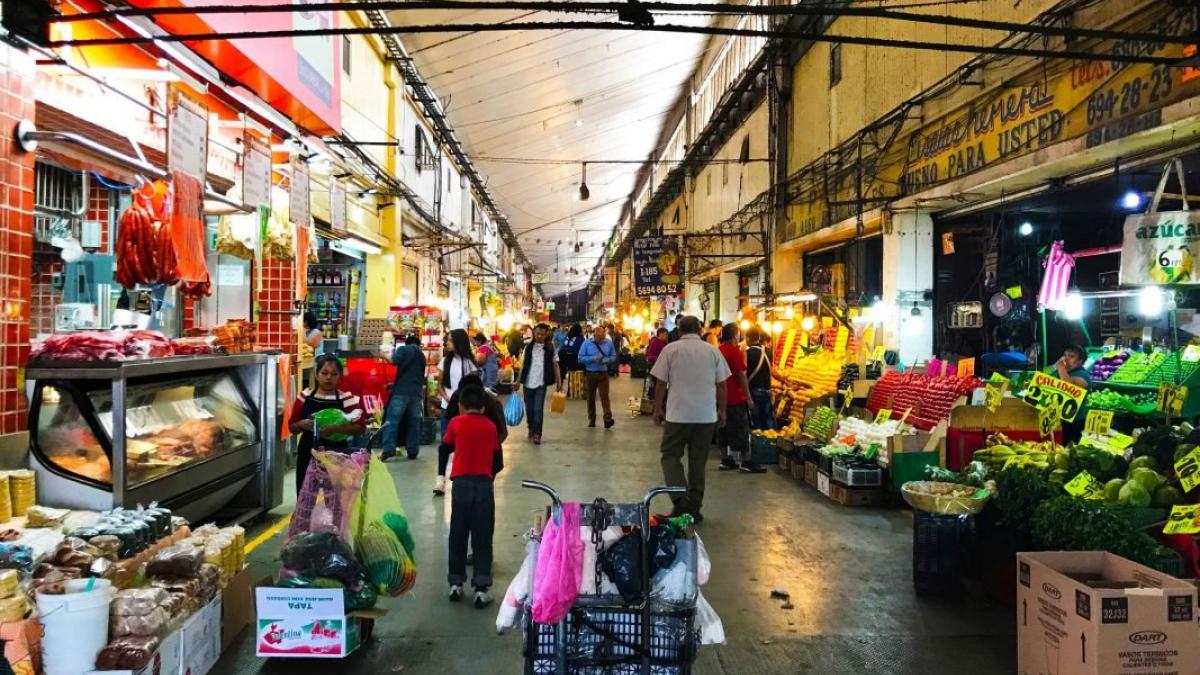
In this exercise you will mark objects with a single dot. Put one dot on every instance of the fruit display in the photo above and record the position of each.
(1137, 368)
(1106, 365)
(929, 397)
(1141, 403)
(1001, 452)
(819, 423)
(866, 433)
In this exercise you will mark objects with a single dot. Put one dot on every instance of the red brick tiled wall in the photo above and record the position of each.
(45, 297)
(16, 235)
(276, 305)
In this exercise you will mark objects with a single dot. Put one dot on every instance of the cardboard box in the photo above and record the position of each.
(856, 496)
(200, 640)
(823, 483)
(165, 661)
(1095, 613)
(237, 607)
(309, 623)
(810, 473)
(1013, 413)
(933, 440)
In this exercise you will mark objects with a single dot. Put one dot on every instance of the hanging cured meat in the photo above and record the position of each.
(187, 227)
(145, 253)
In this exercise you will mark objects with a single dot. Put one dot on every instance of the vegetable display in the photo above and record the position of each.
(1067, 523)
(1106, 365)
(929, 398)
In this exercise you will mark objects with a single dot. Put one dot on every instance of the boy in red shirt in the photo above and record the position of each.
(473, 503)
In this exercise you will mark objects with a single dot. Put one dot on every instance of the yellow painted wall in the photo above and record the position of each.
(381, 284)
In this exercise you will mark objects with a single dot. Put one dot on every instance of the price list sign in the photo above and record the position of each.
(1171, 398)
(300, 209)
(1085, 485)
(187, 135)
(337, 205)
(1184, 519)
(256, 171)
(1047, 421)
(1187, 470)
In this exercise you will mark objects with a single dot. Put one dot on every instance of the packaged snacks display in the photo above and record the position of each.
(16, 556)
(5, 499)
(8, 583)
(153, 622)
(127, 653)
(13, 609)
(210, 581)
(44, 516)
(136, 601)
(108, 545)
(187, 587)
(73, 552)
(22, 490)
(175, 562)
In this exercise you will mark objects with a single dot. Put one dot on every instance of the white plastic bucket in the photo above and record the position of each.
(74, 626)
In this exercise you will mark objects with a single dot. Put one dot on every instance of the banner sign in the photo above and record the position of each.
(1157, 248)
(657, 266)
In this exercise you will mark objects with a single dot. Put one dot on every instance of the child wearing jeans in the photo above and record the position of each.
(473, 504)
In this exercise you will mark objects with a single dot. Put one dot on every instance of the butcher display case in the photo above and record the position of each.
(197, 434)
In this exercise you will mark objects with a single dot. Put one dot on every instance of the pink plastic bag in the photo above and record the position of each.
(559, 567)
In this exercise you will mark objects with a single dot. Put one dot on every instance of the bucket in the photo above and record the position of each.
(74, 626)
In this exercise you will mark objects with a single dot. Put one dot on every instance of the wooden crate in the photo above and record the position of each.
(810, 473)
(848, 496)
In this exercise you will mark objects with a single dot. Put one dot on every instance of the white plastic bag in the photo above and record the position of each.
(518, 591)
(712, 631)
(587, 585)
(703, 562)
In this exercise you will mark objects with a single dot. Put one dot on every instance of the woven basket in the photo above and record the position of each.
(916, 494)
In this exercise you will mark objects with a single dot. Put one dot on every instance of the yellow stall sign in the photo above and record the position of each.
(1047, 391)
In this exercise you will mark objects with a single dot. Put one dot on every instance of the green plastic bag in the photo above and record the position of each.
(332, 417)
(383, 543)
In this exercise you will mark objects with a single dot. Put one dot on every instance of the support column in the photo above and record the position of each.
(907, 279)
(729, 297)
(16, 243)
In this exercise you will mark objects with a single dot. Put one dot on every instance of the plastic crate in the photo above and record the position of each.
(1169, 561)
(909, 466)
(825, 463)
(856, 477)
(429, 430)
(607, 641)
(941, 547)
(763, 450)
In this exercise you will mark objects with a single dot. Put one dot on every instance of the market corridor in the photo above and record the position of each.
(848, 571)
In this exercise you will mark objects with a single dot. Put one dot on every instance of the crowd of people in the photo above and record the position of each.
(707, 386)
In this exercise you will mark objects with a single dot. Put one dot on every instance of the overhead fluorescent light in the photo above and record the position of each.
(361, 245)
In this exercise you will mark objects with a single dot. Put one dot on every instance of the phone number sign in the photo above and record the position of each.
(657, 266)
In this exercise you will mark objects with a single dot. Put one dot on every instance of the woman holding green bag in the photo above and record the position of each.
(341, 412)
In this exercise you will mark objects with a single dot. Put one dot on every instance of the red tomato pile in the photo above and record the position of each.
(929, 397)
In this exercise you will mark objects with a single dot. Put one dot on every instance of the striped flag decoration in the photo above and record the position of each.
(1056, 277)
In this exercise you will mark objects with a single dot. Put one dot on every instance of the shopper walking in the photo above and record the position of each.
(460, 361)
(673, 334)
(473, 507)
(539, 369)
(493, 410)
(515, 341)
(758, 365)
(407, 400)
(560, 337)
(325, 394)
(656, 345)
(568, 354)
(487, 358)
(734, 437)
(713, 335)
(596, 355)
(695, 373)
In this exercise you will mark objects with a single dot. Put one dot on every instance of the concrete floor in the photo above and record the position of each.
(848, 571)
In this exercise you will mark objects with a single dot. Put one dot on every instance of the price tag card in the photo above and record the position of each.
(1171, 398)
(966, 367)
(1085, 485)
(1046, 391)
(991, 397)
(1187, 470)
(847, 397)
(1047, 421)
(1098, 422)
(879, 352)
(1184, 519)
(884, 415)
(998, 380)
(1191, 353)
(1014, 292)
(904, 417)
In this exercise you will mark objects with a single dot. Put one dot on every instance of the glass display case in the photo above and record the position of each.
(190, 433)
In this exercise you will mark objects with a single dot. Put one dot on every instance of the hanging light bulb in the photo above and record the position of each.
(744, 324)
(777, 327)
(808, 323)
(1150, 301)
(790, 313)
(584, 192)
(1073, 306)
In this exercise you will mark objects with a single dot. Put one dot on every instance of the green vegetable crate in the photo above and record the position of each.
(910, 466)
(1139, 378)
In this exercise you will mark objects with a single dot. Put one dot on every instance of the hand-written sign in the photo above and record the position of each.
(1171, 398)
(1184, 519)
(1085, 485)
(1098, 422)
(1047, 391)
(1047, 421)
(657, 266)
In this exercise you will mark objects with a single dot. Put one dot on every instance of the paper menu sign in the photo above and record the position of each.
(187, 135)
(300, 206)
(256, 171)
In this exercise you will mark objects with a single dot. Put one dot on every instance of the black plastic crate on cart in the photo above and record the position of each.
(856, 476)
(941, 550)
(604, 640)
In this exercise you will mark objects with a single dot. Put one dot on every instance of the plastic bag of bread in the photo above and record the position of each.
(152, 623)
(136, 601)
(210, 581)
(108, 545)
(44, 516)
(74, 552)
(185, 586)
(127, 653)
(175, 561)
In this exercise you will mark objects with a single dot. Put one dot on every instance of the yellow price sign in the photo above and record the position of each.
(878, 353)
(1014, 292)
(966, 367)
(1184, 519)
(1171, 398)
(1191, 353)
(1047, 391)
(1098, 422)
(1085, 485)
(991, 397)
(883, 415)
(1187, 470)
(904, 417)
(847, 397)
(1047, 421)
(843, 337)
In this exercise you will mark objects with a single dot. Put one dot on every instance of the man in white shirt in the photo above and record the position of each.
(695, 372)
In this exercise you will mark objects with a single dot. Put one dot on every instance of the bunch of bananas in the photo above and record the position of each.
(1001, 451)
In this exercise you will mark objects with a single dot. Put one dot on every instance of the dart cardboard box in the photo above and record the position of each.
(1095, 613)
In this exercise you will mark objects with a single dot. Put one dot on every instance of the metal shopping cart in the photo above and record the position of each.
(604, 635)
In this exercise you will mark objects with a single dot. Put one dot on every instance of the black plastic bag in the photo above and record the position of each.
(622, 562)
(321, 554)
